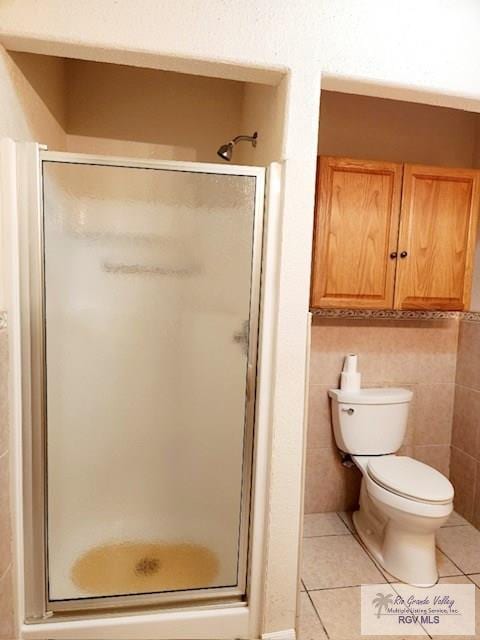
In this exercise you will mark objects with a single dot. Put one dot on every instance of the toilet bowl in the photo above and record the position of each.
(403, 502)
(400, 511)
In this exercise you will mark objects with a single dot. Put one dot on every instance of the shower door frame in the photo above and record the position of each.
(38, 607)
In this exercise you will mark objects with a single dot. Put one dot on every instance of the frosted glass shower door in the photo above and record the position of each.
(150, 310)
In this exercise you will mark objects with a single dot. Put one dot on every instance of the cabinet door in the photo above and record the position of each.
(437, 238)
(356, 229)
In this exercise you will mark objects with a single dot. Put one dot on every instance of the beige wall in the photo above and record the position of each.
(420, 355)
(93, 107)
(32, 109)
(475, 299)
(476, 154)
(380, 129)
(465, 461)
(33, 105)
(130, 110)
(263, 111)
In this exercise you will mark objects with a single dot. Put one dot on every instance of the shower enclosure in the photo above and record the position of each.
(139, 285)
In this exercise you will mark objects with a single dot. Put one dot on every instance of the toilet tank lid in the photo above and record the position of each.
(381, 395)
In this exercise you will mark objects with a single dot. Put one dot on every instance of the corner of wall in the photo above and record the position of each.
(476, 146)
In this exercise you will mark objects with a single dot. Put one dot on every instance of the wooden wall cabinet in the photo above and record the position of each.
(393, 236)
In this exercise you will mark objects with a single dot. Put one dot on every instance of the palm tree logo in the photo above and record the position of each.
(382, 601)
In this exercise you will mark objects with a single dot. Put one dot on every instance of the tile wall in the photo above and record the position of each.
(418, 354)
(465, 458)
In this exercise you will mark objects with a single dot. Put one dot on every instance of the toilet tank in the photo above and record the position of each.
(370, 421)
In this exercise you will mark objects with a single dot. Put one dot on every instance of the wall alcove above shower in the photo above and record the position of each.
(120, 110)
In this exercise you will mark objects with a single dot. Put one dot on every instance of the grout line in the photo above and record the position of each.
(328, 535)
(464, 452)
(473, 574)
(348, 586)
(317, 614)
(474, 583)
(5, 572)
(346, 523)
(449, 558)
(466, 386)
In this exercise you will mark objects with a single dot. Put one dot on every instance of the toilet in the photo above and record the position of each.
(402, 501)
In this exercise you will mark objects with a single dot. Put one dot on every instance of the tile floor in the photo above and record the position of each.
(335, 564)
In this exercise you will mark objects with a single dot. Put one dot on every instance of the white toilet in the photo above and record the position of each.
(402, 501)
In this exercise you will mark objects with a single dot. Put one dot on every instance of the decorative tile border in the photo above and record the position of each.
(471, 316)
(366, 314)
(389, 314)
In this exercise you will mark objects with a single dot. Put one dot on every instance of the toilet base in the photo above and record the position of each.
(408, 557)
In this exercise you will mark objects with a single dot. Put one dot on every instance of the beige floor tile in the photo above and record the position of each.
(462, 546)
(445, 566)
(463, 580)
(323, 524)
(454, 580)
(346, 517)
(455, 520)
(336, 561)
(309, 625)
(475, 577)
(339, 610)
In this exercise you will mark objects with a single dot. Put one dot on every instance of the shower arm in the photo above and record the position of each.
(252, 139)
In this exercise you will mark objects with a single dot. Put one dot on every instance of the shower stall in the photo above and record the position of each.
(139, 298)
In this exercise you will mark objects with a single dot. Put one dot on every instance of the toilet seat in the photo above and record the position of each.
(410, 479)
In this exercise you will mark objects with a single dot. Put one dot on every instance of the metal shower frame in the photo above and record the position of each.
(38, 607)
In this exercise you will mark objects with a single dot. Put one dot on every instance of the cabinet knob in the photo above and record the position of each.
(393, 255)
(404, 254)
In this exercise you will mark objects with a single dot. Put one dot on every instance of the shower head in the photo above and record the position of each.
(226, 150)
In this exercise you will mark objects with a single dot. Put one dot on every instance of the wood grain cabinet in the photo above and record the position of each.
(389, 235)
